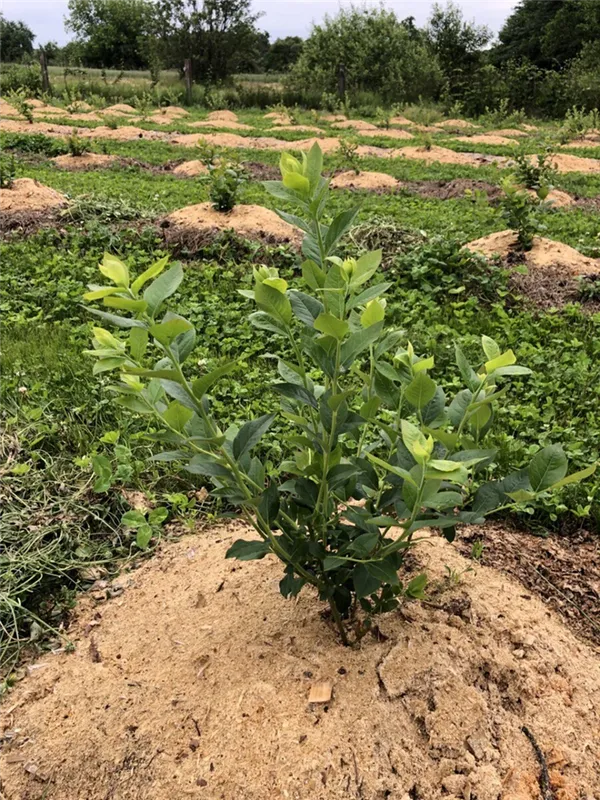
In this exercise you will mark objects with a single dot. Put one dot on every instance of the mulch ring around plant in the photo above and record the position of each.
(195, 226)
(564, 570)
(28, 204)
(85, 161)
(198, 682)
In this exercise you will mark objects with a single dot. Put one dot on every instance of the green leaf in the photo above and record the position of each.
(507, 359)
(203, 465)
(514, 370)
(314, 165)
(120, 322)
(250, 434)
(165, 332)
(138, 341)
(331, 326)
(115, 270)
(416, 587)
(373, 313)
(125, 303)
(420, 390)
(490, 347)
(103, 472)
(143, 536)
(151, 272)
(164, 286)
(466, 370)
(338, 227)
(177, 415)
(201, 385)
(248, 551)
(296, 182)
(295, 392)
(313, 275)
(574, 477)
(133, 519)
(399, 471)
(103, 291)
(369, 294)
(548, 466)
(366, 267)
(273, 302)
(333, 562)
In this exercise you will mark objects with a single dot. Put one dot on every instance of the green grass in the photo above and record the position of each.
(57, 416)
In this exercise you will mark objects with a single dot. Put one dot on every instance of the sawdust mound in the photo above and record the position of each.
(85, 117)
(228, 116)
(196, 683)
(124, 134)
(119, 108)
(354, 124)
(485, 138)
(86, 161)
(54, 111)
(373, 150)
(437, 154)
(230, 124)
(27, 195)
(278, 119)
(249, 221)
(586, 141)
(456, 123)
(391, 133)
(400, 120)
(333, 117)
(509, 132)
(301, 128)
(35, 103)
(544, 253)
(557, 198)
(372, 181)
(189, 169)
(566, 163)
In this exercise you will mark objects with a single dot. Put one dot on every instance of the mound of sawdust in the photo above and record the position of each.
(437, 154)
(333, 117)
(391, 133)
(278, 119)
(85, 117)
(86, 161)
(586, 141)
(557, 198)
(544, 253)
(485, 138)
(250, 221)
(7, 111)
(301, 128)
(229, 124)
(354, 124)
(456, 123)
(190, 169)
(509, 132)
(373, 150)
(27, 195)
(229, 116)
(35, 103)
(400, 120)
(119, 108)
(174, 111)
(122, 134)
(196, 682)
(364, 180)
(54, 111)
(567, 163)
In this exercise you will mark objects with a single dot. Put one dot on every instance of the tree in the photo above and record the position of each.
(283, 54)
(218, 35)
(378, 54)
(52, 51)
(16, 40)
(114, 33)
(457, 43)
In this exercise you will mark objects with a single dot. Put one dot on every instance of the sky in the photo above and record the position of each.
(281, 17)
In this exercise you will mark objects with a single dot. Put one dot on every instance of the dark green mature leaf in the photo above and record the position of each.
(305, 307)
(244, 550)
(250, 434)
(465, 369)
(201, 386)
(268, 506)
(161, 288)
(114, 319)
(548, 466)
(203, 465)
(338, 227)
(295, 392)
(420, 390)
(359, 341)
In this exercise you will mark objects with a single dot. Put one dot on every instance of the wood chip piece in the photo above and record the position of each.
(320, 692)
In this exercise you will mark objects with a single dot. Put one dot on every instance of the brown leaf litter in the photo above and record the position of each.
(168, 697)
(249, 221)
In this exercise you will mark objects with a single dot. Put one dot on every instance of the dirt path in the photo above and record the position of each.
(195, 683)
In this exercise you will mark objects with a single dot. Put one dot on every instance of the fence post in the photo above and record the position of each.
(342, 81)
(44, 68)
(187, 71)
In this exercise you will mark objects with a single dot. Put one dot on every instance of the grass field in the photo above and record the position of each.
(58, 417)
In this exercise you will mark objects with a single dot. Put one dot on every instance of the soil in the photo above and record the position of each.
(586, 141)
(372, 181)
(554, 287)
(35, 103)
(373, 150)
(567, 163)
(563, 569)
(50, 111)
(278, 119)
(85, 117)
(438, 154)
(391, 133)
(229, 116)
(27, 195)
(123, 134)
(86, 161)
(456, 123)
(557, 198)
(119, 108)
(354, 124)
(485, 138)
(327, 145)
(262, 172)
(195, 682)
(454, 189)
(333, 117)
(400, 120)
(228, 124)
(302, 128)
(249, 221)
(190, 169)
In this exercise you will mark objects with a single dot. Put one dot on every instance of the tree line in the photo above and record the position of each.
(546, 56)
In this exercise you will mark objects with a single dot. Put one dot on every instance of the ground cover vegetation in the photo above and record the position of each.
(76, 462)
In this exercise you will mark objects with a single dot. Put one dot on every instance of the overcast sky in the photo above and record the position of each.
(281, 17)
